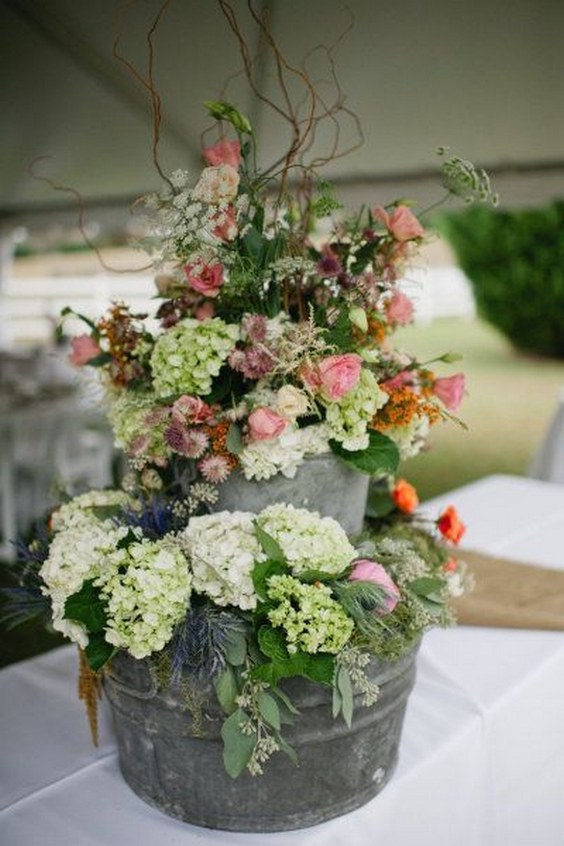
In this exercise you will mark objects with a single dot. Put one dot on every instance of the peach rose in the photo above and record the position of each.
(226, 227)
(83, 349)
(405, 496)
(401, 223)
(189, 409)
(365, 570)
(291, 402)
(450, 390)
(224, 152)
(265, 424)
(205, 278)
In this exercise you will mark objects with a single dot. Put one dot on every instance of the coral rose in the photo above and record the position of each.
(205, 278)
(191, 410)
(365, 570)
(401, 223)
(405, 496)
(450, 390)
(83, 349)
(450, 525)
(224, 152)
(265, 424)
(217, 184)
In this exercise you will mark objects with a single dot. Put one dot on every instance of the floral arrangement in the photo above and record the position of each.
(271, 343)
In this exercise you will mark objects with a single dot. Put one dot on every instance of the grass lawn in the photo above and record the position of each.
(511, 400)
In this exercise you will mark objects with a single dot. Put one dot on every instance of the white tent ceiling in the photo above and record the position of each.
(484, 78)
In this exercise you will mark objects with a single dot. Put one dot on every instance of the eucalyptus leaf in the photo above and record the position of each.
(226, 690)
(269, 710)
(428, 587)
(346, 691)
(337, 703)
(237, 746)
(287, 749)
(234, 439)
(236, 649)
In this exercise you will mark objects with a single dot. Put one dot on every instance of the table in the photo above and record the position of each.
(481, 759)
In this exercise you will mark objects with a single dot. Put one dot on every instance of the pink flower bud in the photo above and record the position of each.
(365, 570)
(450, 390)
(83, 349)
(265, 424)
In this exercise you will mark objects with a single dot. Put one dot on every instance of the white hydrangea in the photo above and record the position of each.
(78, 511)
(308, 541)
(147, 587)
(186, 358)
(348, 418)
(77, 553)
(410, 439)
(264, 459)
(223, 550)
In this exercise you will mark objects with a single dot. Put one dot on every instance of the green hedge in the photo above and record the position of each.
(515, 261)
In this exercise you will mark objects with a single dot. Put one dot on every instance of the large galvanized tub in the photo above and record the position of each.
(322, 483)
(169, 766)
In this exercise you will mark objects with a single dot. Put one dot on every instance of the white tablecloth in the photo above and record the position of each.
(482, 753)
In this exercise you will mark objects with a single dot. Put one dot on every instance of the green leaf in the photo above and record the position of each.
(226, 690)
(340, 334)
(262, 572)
(379, 504)
(380, 457)
(236, 649)
(337, 701)
(87, 607)
(220, 110)
(311, 576)
(100, 360)
(346, 691)
(234, 439)
(320, 668)
(270, 546)
(99, 651)
(269, 710)
(237, 746)
(273, 643)
(126, 541)
(285, 700)
(428, 588)
(287, 749)
(252, 245)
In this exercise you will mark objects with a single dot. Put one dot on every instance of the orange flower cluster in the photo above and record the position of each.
(218, 441)
(401, 408)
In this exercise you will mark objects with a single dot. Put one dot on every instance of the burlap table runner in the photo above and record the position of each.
(511, 595)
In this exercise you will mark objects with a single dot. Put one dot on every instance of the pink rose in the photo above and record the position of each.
(265, 424)
(189, 409)
(400, 309)
(83, 349)
(224, 152)
(338, 374)
(400, 380)
(365, 570)
(205, 278)
(450, 390)
(401, 223)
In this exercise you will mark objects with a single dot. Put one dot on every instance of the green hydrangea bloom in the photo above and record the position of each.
(312, 620)
(187, 357)
(348, 418)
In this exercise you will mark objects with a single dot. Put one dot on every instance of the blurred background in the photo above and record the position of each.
(485, 79)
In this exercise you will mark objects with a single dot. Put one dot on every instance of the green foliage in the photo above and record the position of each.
(87, 607)
(237, 745)
(515, 261)
(381, 457)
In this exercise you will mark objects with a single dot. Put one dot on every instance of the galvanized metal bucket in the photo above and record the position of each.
(322, 483)
(177, 765)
